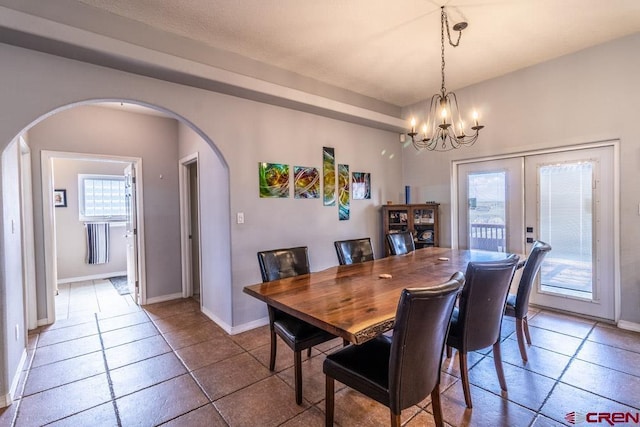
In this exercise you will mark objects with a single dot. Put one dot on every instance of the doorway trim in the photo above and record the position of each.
(49, 220)
(615, 143)
(28, 241)
(185, 219)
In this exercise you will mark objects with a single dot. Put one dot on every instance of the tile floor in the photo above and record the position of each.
(167, 364)
(88, 297)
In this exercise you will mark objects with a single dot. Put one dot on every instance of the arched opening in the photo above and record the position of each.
(68, 129)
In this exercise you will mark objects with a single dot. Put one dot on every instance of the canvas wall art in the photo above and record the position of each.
(343, 192)
(306, 182)
(361, 185)
(328, 176)
(274, 180)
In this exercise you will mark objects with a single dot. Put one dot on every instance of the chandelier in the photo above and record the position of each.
(444, 129)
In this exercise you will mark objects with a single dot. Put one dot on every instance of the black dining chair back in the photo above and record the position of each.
(297, 334)
(518, 304)
(476, 322)
(400, 370)
(282, 263)
(354, 251)
(400, 243)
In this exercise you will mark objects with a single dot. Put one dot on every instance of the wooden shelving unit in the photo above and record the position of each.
(420, 219)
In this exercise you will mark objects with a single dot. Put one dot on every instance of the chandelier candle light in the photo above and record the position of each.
(439, 132)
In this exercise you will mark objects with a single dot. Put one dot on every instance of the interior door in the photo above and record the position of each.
(131, 232)
(570, 205)
(490, 207)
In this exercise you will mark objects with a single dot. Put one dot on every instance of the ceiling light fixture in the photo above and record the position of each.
(444, 128)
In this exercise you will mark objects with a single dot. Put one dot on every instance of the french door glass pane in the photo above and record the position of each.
(487, 215)
(566, 223)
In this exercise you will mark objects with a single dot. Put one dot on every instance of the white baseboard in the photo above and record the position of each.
(7, 399)
(92, 277)
(630, 326)
(224, 325)
(163, 298)
(16, 377)
(248, 326)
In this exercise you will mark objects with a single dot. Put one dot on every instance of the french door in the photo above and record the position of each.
(563, 198)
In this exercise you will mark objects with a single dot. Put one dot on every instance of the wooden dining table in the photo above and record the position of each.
(358, 302)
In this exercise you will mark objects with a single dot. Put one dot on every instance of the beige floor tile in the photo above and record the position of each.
(128, 334)
(66, 350)
(205, 416)
(565, 399)
(187, 320)
(186, 337)
(605, 382)
(267, 403)
(615, 337)
(225, 377)
(136, 351)
(134, 377)
(123, 321)
(357, 410)
(525, 388)
(64, 372)
(312, 417)
(488, 409)
(254, 338)
(64, 401)
(69, 333)
(208, 352)
(562, 323)
(160, 403)
(102, 415)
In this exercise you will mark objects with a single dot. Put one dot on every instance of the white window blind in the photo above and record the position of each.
(101, 198)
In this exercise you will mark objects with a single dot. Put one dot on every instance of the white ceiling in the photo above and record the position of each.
(388, 50)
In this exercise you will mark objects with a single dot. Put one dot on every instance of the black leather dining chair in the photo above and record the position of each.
(399, 371)
(518, 304)
(476, 322)
(354, 251)
(297, 334)
(400, 243)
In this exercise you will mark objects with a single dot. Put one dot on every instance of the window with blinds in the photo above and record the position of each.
(102, 198)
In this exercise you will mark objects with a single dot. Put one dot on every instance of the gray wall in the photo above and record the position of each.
(11, 297)
(71, 239)
(95, 130)
(244, 133)
(592, 95)
(215, 236)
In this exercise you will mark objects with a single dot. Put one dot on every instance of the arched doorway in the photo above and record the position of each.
(211, 158)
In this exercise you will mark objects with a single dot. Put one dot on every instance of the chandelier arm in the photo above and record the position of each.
(455, 102)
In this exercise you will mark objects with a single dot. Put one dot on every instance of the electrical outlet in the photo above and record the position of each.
(240, 218)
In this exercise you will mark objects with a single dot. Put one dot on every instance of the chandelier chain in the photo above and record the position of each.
(444, 23)
(443, 18)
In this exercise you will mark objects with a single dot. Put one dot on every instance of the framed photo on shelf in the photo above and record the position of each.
(60, 198)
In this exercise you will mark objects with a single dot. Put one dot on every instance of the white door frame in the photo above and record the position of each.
(615, 143)
(48, 219)
(185, 223)
(28, 242)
